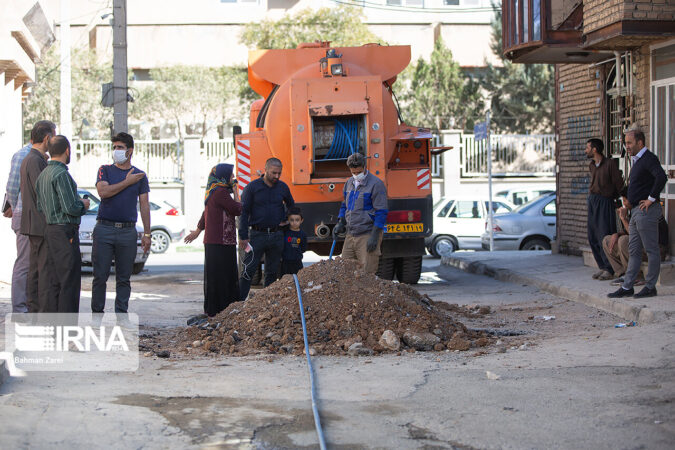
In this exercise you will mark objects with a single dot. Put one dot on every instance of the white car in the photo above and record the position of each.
(167, 224)
(459, 223)
(87, 234)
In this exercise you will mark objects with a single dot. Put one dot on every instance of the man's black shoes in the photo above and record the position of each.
(621, 292)
(646, 292)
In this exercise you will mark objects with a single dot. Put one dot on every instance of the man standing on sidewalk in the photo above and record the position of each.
(263, 210)
(57, 199)
(606, 186)
(647, 180)
(22, 262)
(121, 186)
(41, 285)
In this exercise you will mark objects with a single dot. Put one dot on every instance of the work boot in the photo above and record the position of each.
(597, 274)
(621, 292)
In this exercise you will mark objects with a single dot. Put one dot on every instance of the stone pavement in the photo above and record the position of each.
(567, 277)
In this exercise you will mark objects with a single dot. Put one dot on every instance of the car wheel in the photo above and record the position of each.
(536, 244)
(160, 241)
(443, 245)
(138, 268)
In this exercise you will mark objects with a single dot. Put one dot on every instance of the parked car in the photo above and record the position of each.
(520, 196)
(167, 225)
(528, 227)
(87, 234)
(459, 222)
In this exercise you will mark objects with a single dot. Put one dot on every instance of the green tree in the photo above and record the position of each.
(521, 95)
(196, 99)
(342, 26)
(90, 119)
(438, 94)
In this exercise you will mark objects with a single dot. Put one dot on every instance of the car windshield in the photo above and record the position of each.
(522, 209)
(94, 202)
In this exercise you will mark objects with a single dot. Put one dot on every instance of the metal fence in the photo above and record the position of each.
(437, 160)
(161, 160)
(215, 152)
(512, 155)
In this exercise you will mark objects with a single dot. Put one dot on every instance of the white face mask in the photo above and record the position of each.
(120, 156)
(359, 177)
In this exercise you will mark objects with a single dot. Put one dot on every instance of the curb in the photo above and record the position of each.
(640, 314)
(4, 372)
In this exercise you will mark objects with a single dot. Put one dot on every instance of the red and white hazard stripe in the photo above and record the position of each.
(243, 163)
(424, 179)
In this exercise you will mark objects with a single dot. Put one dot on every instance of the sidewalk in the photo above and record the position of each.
(566, 277)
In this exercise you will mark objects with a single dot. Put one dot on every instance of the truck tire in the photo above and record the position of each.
(386, 269)
(409, 269)
(137, 268)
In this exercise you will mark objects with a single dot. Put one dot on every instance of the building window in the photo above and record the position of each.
(418, 3)
(451, 2)
(663, 104)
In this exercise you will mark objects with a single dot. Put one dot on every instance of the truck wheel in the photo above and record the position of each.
(137, 268)
(409, 270)
(386, 268)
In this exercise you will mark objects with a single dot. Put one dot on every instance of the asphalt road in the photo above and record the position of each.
(571, 382)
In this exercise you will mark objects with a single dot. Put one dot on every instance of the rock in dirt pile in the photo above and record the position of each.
(346, 310)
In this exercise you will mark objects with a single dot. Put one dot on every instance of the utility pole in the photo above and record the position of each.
(66, 105)
(120, 110)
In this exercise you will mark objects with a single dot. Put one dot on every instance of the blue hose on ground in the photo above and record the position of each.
(332, 249)
(315, 410)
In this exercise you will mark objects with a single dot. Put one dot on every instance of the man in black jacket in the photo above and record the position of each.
(647, 180)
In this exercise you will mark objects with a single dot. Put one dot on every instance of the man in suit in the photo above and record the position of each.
(41, 285)
(647, 180)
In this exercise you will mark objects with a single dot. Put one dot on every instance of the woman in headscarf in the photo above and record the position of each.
(222, 205)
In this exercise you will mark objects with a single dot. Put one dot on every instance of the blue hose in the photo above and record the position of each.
(332, 249)
(315, 410)
(345, 139)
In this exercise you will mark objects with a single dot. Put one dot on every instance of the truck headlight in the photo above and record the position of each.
(336, 69)
(86, 235)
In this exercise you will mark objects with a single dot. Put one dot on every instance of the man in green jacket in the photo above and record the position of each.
(57, 199)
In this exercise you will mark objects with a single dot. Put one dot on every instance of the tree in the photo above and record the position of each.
(196, 99)
(522, 95)
(438, 94)
(90, 119)
(342, 26)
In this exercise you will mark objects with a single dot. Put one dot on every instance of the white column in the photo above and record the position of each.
(193, 194)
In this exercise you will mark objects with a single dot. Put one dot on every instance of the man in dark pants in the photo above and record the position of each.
(121, 186)
(263, 212)
(41, 287)
(57, 199)
(647, 180)
(606, 186)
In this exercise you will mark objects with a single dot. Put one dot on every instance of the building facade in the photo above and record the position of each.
(615, 70)
(25, 34)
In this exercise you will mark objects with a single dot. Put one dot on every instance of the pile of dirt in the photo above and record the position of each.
(346, 310)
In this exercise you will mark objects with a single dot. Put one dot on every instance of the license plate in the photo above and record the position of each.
(405, 228)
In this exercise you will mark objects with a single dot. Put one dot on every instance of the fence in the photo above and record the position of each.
(161, 159)
(512, 155)
(215, 152)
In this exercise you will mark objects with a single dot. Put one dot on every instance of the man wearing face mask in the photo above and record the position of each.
(121, 186)
(363, 215)
(57, 199)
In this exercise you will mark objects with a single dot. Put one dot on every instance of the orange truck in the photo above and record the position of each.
(319, 105)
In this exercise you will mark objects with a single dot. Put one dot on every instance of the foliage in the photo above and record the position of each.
(342, 26)
(196, 99)
(438, 94)
(87, 75)
(522, 95)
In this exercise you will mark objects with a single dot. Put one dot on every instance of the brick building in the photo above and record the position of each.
(615, 69)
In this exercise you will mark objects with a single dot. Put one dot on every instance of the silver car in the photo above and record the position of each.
(87, 233)
(528, 227)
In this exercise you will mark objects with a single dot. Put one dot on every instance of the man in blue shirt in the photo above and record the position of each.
(264, 204)
(121, 186)
(22, 262)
